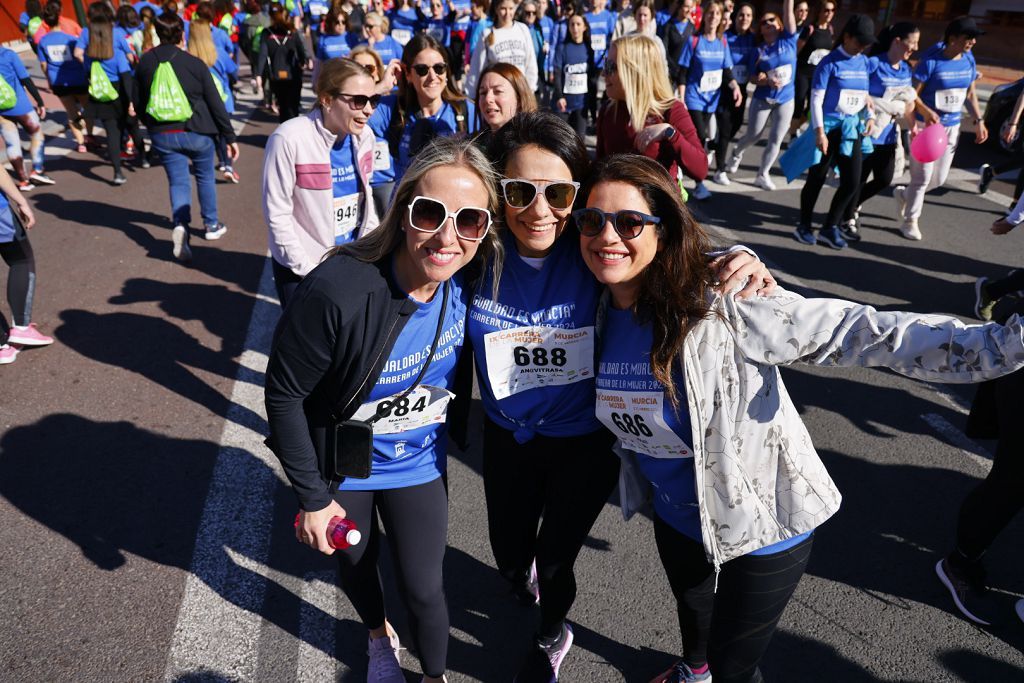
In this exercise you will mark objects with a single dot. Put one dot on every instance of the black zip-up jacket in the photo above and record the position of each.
(674, 43)
(209, 116)
(329, 350)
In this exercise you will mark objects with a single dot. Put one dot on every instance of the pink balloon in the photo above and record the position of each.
(930, 143)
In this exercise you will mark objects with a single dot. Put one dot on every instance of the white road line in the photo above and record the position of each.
(318, 622)
(974, 452)
(219, 621)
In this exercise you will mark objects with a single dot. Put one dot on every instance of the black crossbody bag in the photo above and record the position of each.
(350, 452)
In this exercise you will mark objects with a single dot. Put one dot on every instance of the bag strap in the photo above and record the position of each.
(423, 370)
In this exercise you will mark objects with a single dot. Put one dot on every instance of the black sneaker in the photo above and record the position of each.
(849, 231)
(970, 595)
(120, 179)
(545, 659)
(985, 176)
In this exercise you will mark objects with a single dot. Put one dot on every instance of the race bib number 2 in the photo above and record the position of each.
(530, 357)
(381, 156)
(637, 419)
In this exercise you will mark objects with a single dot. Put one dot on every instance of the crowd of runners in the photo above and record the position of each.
(500, 190)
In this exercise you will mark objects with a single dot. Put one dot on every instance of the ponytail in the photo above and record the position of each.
(901, 30)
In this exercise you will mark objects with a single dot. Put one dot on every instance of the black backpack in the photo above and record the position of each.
(283, 56)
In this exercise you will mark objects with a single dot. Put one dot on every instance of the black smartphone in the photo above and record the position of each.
(352, 448)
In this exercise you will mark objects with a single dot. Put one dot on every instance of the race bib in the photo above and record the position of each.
(950, 100)
(425, 405)
(401, 35)
(526, 358)
(783, 74)
(437, 33)
(892, 92)
(598, 42)
(815, 57)
(851, 101)
(637, 418)
(739, 72)
(710, 81)
(575, 84)
(346, 216)
(55, 54)
(317, 9)
(381, 156)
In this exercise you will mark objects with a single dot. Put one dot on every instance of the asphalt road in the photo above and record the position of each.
(146, 532)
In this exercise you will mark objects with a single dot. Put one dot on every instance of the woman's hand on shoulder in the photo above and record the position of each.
(312, 528)
(742, 268)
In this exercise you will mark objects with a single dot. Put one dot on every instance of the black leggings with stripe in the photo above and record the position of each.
(21, 283)
(729, 629)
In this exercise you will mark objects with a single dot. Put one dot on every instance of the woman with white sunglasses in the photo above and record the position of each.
(371, 345)
(548, 468)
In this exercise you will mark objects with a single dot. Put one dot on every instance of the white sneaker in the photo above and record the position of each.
(179, 238)
(910, 230)
(765, 183)
(899, 193)
(701, 193)
(722, 178)
(384, 665)
(734, 163)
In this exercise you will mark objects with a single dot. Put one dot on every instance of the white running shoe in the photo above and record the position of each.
(700, 193)
(721, 178)
(910, 230)
(734, 163)
(765, 183)
(179, 238)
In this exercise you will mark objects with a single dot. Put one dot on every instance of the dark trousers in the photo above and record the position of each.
(21, 283)
(285, 282)
(115, 126)
(542, 498)
(997, 289)
(849, 179)
(289, 98)
(702, 122)
(577, 119)
(880, 166)
(415, 519)
(730, 120)
(729, 629)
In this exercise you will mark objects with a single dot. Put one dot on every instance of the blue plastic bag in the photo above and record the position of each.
(800, 156)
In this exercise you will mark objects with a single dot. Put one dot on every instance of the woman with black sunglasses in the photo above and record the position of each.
(372, 341)
(547, 465)
(428, 104)
(316, 175)
(687, 381)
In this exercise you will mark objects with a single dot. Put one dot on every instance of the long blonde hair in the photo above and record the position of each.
(390, 234)
(643, 73)
(200, 42)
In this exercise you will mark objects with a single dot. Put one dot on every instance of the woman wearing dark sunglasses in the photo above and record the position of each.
(316, 175)
(427, 105)
(547, 466)
(355, 344)
(719, 448)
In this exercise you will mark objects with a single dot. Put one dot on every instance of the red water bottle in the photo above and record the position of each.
(341, 532)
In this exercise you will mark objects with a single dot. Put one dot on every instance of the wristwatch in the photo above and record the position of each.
(670, 134)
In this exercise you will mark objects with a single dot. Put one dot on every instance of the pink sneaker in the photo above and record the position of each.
(28, 336)
(7, 354)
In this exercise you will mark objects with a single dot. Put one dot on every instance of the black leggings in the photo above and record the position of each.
(289, 98)
(577, 118)
(286, 281)
(880, 164)
(997, 289)
(802, 93)
(21, 283)
(416, 521)
(994, 502)
(728, 629)
(115, 126)
(849, 179)
(702, 122)
(558, 484)
(730, 120)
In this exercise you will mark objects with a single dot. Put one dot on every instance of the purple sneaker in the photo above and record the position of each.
(384, 665)
(543, 662)
(681, 673)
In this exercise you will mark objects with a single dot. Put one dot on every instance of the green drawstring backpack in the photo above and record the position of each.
(100, 87)
(167, 100)
(8, 98)
(220, 88)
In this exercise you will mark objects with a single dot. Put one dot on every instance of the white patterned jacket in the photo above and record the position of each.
(759, 479)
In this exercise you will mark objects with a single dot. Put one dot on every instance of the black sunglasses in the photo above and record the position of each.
(422, 69)
(429, 215)
(610, 66)
(519, 193)
(357, 102)
(627, 223)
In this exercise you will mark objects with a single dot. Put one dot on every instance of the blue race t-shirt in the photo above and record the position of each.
(632, 404)
(13, 71)
(547, 32)
(705, 60)
(425, 128)
(114, 67)
(222, 70)
(410, 442)
(571, 61)
(6, 220)
(57, 49)
(845, 82)
(476, 31)
(462, 7)
(534, 345)
(383, 162)
(145, 3)
(317, 9)
(439, 29)
(946, 82)
(883, 78)
(331, 47)
(388, 49)
(741, 47)
(777, 59)
(121, 42)
(404, 24)
(602, 26)
(345, 190)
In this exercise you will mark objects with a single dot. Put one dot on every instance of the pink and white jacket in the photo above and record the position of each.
(297, 190)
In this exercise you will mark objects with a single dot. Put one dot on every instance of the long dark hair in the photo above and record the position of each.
(901, 30)
(673, 287)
